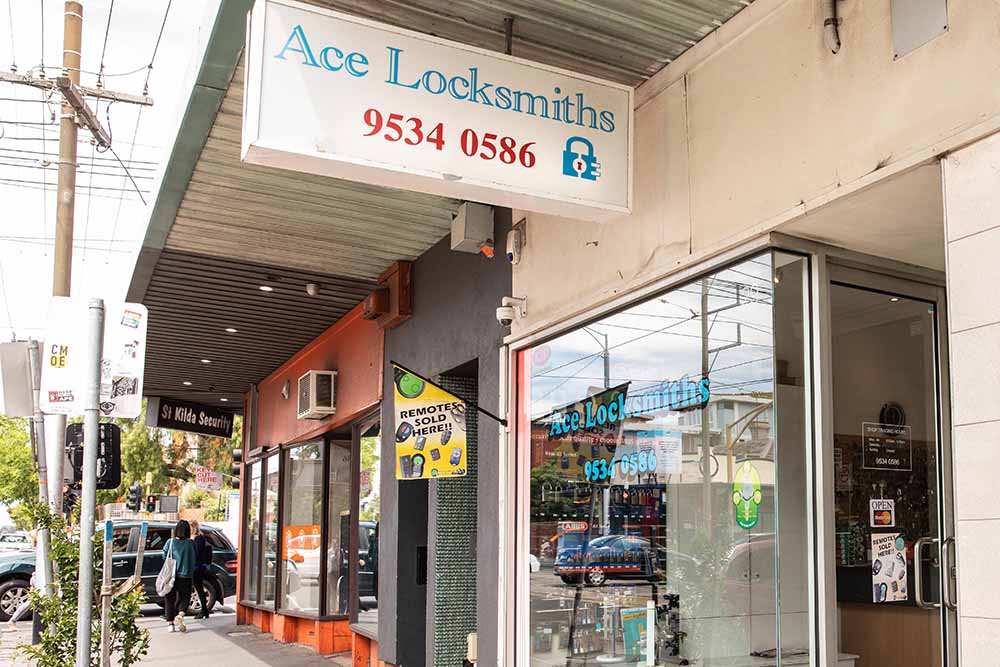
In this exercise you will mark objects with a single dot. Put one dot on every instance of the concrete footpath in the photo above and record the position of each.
(217, 642)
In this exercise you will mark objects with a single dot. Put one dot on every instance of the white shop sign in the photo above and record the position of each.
(64, 358)
(331, 94)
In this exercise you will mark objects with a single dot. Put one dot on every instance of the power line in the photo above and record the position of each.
(107, 31)
(6, 301)
(138, 118)
(108, 159)
(37, 186)
(75, 245)
(51, 167)
(45, 177)
(44, 183)
(13, 54)
(41, 12)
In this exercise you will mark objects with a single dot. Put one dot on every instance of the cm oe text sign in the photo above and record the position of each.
(333, 94)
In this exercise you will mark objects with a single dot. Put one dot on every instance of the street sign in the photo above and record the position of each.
(333, 94)
(122, 362)
(15, 380)
(192, 417)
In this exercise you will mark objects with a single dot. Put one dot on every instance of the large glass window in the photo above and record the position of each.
(252, 535)
(269, 529)
(301, 518)
(368, 520)
(655, 440)
(338, 529)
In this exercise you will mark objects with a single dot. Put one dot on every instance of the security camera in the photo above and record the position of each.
(515, 243)
(505, 315)
(510, 308)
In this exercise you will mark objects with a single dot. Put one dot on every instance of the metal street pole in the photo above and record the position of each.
(88, 500)
(43, 571)
(706, 432)
(107, 591)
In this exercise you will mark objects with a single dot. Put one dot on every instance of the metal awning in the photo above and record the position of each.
(219, 229)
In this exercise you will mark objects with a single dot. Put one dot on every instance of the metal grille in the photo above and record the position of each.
(455, 544)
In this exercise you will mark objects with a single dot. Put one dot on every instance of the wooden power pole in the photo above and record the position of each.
(75, 112)
(62, 263)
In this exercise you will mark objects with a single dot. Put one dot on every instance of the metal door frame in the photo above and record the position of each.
(831, 264)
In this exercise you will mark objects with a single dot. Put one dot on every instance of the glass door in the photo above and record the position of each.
(891, 495)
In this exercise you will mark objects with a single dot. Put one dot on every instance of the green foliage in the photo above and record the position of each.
(129, 642)
(18, 481)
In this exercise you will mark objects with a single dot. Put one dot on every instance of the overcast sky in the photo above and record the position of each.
(110, 218)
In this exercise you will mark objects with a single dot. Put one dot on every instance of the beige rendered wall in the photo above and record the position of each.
(757, 125)
(972, 222)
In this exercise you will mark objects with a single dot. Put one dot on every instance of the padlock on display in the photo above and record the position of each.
(580, 163)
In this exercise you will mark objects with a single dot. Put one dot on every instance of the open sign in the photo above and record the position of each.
(882, 513)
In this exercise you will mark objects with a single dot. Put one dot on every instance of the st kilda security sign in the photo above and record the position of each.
(430, 428)
(333, 94)
(191, 417)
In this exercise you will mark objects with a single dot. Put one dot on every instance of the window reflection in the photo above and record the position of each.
(270, 529)
(302, 514)
(653, 474)
(252, 535)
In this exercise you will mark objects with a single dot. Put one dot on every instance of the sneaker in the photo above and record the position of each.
(179, 623)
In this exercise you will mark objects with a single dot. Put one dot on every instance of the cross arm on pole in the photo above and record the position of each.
(85, 91)
(71, 93)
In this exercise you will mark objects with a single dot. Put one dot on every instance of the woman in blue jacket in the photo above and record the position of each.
(176, 601)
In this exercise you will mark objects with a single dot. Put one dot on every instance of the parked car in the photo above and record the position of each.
(16, 569)
(19, 541)
(606, 557)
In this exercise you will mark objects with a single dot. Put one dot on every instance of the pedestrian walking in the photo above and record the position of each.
(181, 548)
(203, 568)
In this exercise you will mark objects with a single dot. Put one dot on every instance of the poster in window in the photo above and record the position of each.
(888, 567)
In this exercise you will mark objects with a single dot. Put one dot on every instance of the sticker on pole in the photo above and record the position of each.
(64, 359)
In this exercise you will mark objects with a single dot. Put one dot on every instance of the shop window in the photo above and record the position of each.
(655, 478)
(269, 530)
(301, 518)
(252, 535)
(366, 563)
(338, 529)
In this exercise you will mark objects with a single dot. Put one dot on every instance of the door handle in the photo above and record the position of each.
(918, 572)
(949, 574)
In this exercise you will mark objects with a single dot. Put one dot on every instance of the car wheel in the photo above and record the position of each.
(596, 576)
(13, 594)
(194, 606)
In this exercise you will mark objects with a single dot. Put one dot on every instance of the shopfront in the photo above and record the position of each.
(744, 464)
(309, 555)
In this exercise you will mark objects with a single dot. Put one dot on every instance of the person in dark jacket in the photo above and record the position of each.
(176, 601)
(203, 570)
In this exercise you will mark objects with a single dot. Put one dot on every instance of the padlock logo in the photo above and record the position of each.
(580, 162)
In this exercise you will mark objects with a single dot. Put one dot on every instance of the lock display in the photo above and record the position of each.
(579, 160)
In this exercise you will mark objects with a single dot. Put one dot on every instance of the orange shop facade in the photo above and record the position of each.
(299, 534)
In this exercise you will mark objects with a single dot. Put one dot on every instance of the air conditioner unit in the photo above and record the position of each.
(317, 394)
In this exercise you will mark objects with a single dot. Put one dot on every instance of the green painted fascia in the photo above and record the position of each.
(214, 74)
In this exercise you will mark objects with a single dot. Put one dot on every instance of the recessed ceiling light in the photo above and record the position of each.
(266, 288)
(224, 400)
(894, 299)
(230, 330)
(206, 361)
(186, 383)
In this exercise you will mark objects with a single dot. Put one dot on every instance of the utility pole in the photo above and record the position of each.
(74, 111)
(706, 432)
